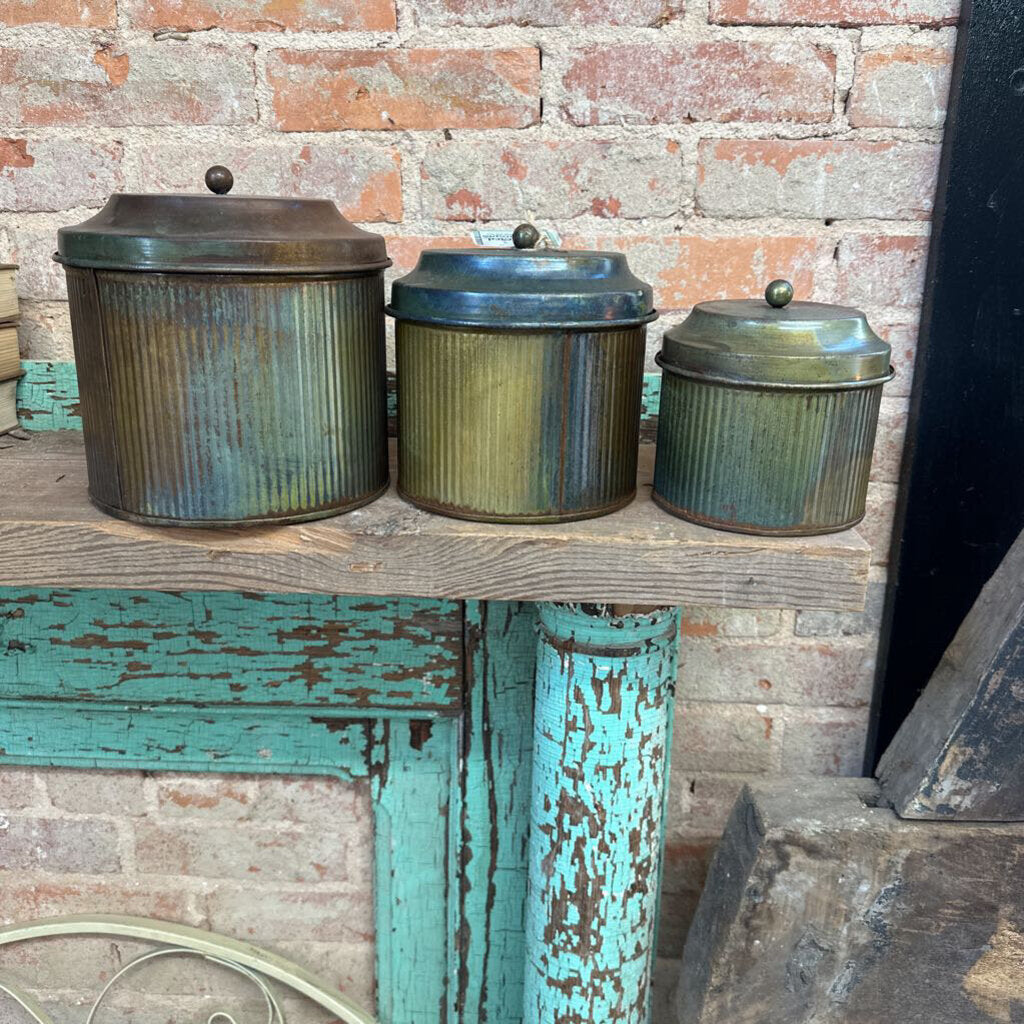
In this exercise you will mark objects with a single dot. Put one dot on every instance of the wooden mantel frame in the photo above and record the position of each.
(515, 739)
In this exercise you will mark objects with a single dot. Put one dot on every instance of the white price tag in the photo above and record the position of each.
(501, 238)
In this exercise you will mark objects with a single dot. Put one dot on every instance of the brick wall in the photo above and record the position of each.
(719, 145)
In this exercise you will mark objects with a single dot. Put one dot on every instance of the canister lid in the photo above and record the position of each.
(220, 234)
(776, 341)
(522, 288)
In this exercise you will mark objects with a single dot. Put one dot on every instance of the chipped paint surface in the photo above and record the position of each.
(604, 695)
(501, 655)
(222, 648)
(433, 702)
(993, 983)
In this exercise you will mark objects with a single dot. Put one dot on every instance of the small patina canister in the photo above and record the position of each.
(230, 355)
(768, 415)
(520, 374)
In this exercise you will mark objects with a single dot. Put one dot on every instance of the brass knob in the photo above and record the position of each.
(219, 179)
(779, 293)
(526, 236)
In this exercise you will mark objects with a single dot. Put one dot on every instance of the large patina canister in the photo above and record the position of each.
(768, 415)
(230, 355)
(520, 373)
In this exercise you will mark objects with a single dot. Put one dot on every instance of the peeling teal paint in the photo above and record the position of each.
(48, 396)
(432, 701)
(604, 696)
(229, 648)
(501, 656)
(412, 770)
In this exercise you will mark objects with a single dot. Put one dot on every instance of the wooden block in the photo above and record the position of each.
(960, 752)
(823, 908)
(51, 536)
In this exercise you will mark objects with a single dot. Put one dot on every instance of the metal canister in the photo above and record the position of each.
(520, 375)
(230, 355)
(768, 415)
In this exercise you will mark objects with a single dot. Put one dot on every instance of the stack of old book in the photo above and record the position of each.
(10, 361)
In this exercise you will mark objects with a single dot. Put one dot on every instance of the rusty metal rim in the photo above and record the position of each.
(538, 326)
(267, 270)
(750, 529)
(452, 512)
(764, 385)
(199, 524)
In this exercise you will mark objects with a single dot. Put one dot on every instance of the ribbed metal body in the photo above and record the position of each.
(758, 459)
(216, 400)
(518, 426)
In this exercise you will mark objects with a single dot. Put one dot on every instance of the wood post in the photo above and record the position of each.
(602, 731)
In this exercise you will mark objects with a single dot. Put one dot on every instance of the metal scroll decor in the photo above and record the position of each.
(251, 963)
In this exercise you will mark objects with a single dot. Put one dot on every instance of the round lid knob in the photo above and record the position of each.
(779, 293)
(219, 179)
(526, 236)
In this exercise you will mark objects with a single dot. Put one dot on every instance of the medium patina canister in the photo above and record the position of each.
(768, 415)
(230, 355)
(520, 374)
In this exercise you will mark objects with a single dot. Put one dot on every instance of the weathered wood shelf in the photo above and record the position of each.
(50, 535)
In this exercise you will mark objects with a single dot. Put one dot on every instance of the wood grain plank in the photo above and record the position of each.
(51, 536)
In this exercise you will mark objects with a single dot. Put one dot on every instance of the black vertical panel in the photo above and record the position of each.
(961, 501)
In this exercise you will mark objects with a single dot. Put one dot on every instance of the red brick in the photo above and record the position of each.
(902, 336)
(365, 181)
(70, 13)
(143, 85)
(711, 622)
(57, 174)
(318, 802)
(57, 845)
(724, 737)
(720, 80)
(28, 897)
(876, 527)
(807, 674)
(45, 331)
(881, 270)
(817, 178)
(700, 803)
(686, 269)
(268, 16)
(469, 180)
(31, 246)
(86, 791)
(824, 741)
(557, 13)
(834, 12)
(19, 788)
(892, 431)
(208, 798)
(260, 854)
(318, 916)
(901, 87)
(333, 90)
(685, 868)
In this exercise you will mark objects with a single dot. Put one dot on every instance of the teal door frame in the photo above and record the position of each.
(433, 703)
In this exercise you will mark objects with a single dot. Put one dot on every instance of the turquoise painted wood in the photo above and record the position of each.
(434, 705)
(494, 819)
(604, 697)
(48, 396)
(67, 734)
(412, 767)
(290, 650)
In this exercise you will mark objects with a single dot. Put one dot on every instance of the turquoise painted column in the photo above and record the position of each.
(602, 732)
